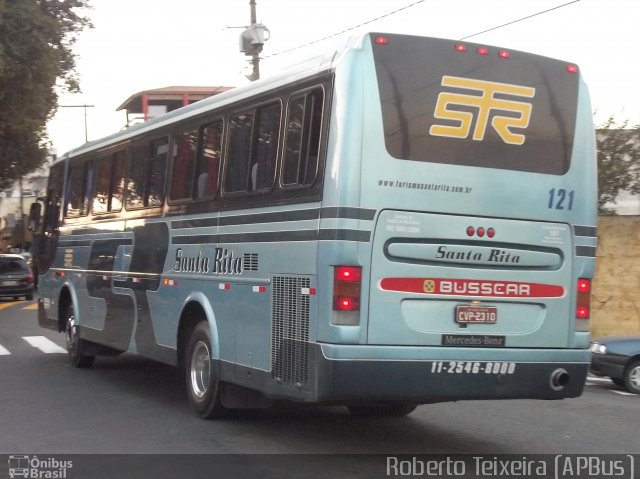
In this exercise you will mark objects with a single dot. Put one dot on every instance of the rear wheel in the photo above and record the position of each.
(382, 410)
(203, 384)
(75, 345)
(632, 377)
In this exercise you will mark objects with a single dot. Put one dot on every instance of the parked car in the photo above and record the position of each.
(16, 277)
(618, 358)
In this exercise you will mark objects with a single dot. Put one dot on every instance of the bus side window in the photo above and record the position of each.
(209, 160)
(118, 178)
(157, 172)
(137, 177)
(183, 162)
(239, 152)
(304, 123)
(100, 202)
(265, 149)
(78, 189)
(54, 195)
(147, 171)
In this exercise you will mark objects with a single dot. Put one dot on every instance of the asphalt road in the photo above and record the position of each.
(129, 405)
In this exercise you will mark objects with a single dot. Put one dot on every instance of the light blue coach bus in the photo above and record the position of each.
(407, 221)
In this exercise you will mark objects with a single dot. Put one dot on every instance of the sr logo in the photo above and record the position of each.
(504, 113)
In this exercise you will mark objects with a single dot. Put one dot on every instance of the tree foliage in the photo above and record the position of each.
(36, 63)
(618, 148)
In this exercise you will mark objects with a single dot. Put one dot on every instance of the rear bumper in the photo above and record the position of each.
(19, 290)
(610, 365)
(442, 374)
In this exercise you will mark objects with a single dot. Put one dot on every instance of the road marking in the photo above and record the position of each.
(31, 307)
(6, 305)
(624, 393)
(4, 351)
(43, 344)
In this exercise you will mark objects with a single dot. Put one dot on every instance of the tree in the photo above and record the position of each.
(618, 161)
(36, 63)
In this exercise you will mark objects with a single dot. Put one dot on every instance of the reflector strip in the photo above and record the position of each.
(259, 289)
(224, 286)
(308, 291)
(136, 280)
(170, 282)
(472, 287)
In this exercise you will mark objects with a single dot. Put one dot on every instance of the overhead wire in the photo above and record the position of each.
(347, 29)
(520, 19)
(407, 7)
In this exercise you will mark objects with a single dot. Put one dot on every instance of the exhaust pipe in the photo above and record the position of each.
(559, 379)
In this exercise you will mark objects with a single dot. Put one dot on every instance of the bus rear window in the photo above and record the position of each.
(474, 106)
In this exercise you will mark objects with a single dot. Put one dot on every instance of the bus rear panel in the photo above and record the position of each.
(478, 166)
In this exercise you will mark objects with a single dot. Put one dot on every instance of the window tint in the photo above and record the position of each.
(54, 198)
(109, 186)
(78, 189)
(240, 129)
(100, 202)
(147, 169)
(137, 177)
(119, 174)
(253, 149)
(157, 172)
(265, 150)
(185, 146)
(302, 147)
(209, 160)
(10, 265)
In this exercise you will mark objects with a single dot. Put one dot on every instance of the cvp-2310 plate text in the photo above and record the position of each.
(467, 314)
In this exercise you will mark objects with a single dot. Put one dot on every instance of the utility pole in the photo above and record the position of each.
(255, 57)
(252, 41)
(85, 106)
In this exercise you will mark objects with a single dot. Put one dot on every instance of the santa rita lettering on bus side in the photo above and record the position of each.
(223, 262)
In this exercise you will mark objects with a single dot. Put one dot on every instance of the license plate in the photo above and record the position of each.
(476, 314)
(10, 283)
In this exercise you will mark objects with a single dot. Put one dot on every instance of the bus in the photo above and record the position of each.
(406, 221)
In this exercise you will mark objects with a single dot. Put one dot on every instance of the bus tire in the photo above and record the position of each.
(382, 409)
(203, 384)
(75, 344)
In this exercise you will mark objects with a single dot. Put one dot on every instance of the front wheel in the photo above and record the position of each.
(74, 343)
(632, 377)
(203, 384)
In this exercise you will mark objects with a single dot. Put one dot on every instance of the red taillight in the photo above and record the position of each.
(583, 302)
(484, 51)
(348, 273)
(382, 40)
(346, 288)
(460, 48)
(30, 278)
(572, 69)
(504, 54)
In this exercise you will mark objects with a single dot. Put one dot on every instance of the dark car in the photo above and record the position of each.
(618, 358)
(16, 277)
